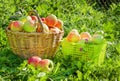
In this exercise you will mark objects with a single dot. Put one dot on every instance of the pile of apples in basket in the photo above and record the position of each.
(75, 37)
(51, 24)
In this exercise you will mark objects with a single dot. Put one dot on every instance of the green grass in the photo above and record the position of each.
(75, 14)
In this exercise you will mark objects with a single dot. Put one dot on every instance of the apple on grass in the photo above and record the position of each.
(73, 36)
(29, 26)
(16, 26)
(46, 65)
(34, 60)
(51, 20)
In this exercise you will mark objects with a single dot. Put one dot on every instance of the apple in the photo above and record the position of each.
(29, 26)
(43, 20)
(16, 26)
(86, 36)
(99, 32)
(73, 36)
(51, 20)
(59, 24)
(55, 30)
(25, 18)
(45, 28)
(34, 60)
(97, 38)
(46, 65)
(34, 18)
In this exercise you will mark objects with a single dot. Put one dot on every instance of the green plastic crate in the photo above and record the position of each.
(85, 51)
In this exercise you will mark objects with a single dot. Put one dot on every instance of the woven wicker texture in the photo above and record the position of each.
(29, 44)
(85, 52)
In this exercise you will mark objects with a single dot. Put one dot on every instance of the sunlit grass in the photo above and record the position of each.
(75, 14)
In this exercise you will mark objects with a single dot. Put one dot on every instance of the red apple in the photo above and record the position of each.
(34, 18)
(85, 35)
(34, 60)
(46, 65)
(55, 30)
(16, 26)
(59, 24)
(73, 36)
(51, 20)
(43, 20)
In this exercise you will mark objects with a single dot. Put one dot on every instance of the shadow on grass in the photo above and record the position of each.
(8, 58)
(9, 62)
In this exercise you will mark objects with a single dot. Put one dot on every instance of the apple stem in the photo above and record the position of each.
(41, 25)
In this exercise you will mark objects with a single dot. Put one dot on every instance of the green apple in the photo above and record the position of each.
(25, 19)
(97, 38)
(46, 65)
(16, 26)
(29, 26)
(99, 32)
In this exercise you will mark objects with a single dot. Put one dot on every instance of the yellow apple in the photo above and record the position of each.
(73, 36)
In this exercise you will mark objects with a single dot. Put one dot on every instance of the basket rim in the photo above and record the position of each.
(32, 33)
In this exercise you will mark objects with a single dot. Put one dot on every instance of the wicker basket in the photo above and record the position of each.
(29, 44)
(85, 52)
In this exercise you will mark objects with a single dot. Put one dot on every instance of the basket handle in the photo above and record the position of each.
(38, 17)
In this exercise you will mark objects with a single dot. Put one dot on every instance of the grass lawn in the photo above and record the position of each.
(76, 14)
